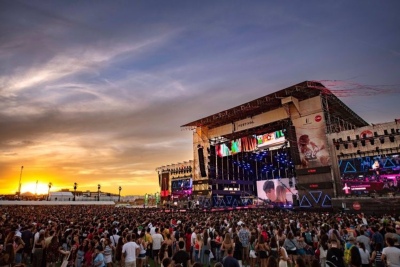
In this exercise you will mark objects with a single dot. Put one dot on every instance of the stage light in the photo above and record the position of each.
(348, 138)
(337, 146)
(372, 141)
(386, 132)
(363, 142)
(377, 149)
(375, 134)
(358, 152)
(391, 138)
(333, 140)
(357, 137)
(392, 130)
(355, 144)
(382, 140)
(346, 146)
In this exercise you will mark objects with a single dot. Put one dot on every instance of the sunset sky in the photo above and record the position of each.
(95, 92)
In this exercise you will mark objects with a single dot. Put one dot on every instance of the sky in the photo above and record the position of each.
(95, 92)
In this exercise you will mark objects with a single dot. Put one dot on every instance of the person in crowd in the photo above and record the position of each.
(229, 260)
(163, 252)
(244, 238)
(300, 263)
(38, 251)
(364, 253)
(376, 256)
(98, 257)
(182, 256)
(283, 256)
(226, 244)
(141, 258)
(158, 239)
(272, 262)
(291, 246)
(238, 250)
(52, 252)
(19, 245)
(108, 249)
(130, 250)
(334, 256)
(391, 254)
(205, 249)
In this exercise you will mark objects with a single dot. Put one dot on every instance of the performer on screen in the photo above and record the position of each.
(376, 167)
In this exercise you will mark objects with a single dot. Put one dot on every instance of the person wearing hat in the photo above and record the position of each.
(98, 257)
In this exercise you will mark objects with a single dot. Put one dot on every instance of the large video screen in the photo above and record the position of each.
(250, 143)
(277, 191)
(375, 174)
(182, 187)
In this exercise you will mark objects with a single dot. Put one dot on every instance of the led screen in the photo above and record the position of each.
(182, 187)
(279, 191)
(375, 174)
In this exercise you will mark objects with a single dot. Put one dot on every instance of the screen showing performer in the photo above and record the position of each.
(277, 191)
(375, 174)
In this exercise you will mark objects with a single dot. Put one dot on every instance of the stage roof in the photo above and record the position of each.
(301, 91)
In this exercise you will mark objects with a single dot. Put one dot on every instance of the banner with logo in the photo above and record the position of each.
(311, 140)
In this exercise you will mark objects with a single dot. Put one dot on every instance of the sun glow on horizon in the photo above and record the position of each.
(37, 188)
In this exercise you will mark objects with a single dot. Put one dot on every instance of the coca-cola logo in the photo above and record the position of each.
(356, 206)
(318, 118)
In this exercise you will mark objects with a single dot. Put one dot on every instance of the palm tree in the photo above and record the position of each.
(98, 192)
(48, 194)
(119, 196)
(75, 187)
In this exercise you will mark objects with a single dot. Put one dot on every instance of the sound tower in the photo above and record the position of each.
(201, 162)
(212, 166)
(294, 149)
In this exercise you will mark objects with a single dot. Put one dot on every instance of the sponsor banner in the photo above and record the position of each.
(311, 139)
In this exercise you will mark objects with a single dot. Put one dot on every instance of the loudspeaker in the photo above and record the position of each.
(295, 201)
(201, 162)
(294, 149)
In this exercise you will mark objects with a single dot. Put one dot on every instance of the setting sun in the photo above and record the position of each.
(37, 188)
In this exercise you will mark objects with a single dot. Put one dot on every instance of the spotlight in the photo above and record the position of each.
(386, 132)
(333, 140)
(340, 140)
(348, 138)
(358, 152)
(346, 146)
(375, 134)
(382, 140)
(357, 137)
(377, 149)
(392, 130)
(391, 138)
(363, 142)
(337, 146)
(355, 144)
(372, 141)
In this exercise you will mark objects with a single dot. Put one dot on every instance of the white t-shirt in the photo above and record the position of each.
(130, 249)
(114, 240)
(157, 241)
(392, 255)
(193, 238)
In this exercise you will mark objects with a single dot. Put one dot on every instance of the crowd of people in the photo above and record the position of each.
(100, 236)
